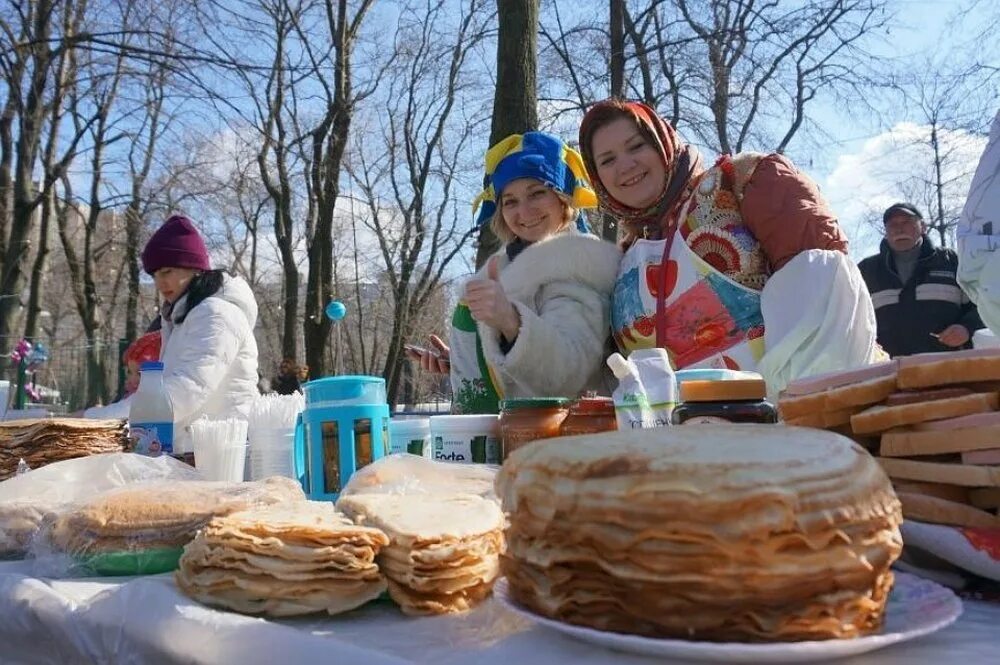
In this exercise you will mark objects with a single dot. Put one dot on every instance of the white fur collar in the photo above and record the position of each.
(576, 257)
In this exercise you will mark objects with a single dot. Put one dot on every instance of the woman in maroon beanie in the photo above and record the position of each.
(209, 353)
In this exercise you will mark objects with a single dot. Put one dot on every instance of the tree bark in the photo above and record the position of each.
(515, 102)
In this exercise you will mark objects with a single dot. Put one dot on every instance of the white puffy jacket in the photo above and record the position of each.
(210, 360)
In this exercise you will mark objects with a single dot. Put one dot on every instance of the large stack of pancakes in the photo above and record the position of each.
(41, 442)
(159, 516)
(934, 421)
(443, 552)
(723, 533)
(283, 560)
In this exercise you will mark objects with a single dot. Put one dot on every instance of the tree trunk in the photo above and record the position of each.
(515, 103)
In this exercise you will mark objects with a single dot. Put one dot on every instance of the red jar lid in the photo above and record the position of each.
(593, 406)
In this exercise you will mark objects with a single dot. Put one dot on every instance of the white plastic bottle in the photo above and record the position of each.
(151, 416)
(631, 405)
(657, 376)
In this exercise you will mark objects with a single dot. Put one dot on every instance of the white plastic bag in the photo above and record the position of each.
(404, 473)
(818, 317)
(28, 499)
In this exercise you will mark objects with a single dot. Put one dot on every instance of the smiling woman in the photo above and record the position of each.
(534, 321)
(703, 246)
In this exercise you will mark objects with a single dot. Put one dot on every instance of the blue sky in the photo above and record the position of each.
(856, 171)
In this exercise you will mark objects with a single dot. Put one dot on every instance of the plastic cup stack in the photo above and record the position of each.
(220, 448)
(272, 435)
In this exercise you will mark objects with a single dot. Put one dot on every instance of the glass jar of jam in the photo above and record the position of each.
(525, 420)
(590, 415)
(732, 401)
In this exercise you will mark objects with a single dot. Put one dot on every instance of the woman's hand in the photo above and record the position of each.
(436, 360)
(488, 303)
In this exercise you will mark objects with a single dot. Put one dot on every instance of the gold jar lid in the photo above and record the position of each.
(723, 391)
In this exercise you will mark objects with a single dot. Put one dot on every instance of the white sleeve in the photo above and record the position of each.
(557, 348)
(818, 317)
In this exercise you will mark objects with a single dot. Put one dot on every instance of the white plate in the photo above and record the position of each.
(916, 607)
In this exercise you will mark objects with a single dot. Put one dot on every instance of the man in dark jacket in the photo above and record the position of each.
(919, 306)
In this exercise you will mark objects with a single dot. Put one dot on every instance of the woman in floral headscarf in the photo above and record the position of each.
(739, 265)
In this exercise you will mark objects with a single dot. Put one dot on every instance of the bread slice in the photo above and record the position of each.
(860, 394)
(987, 456)
(882, 418)
(931, 509)
(918, 396)
(947, 492)
(935, 472)
(916, 444)
(987, 498)
(825, 419)
(941, 369)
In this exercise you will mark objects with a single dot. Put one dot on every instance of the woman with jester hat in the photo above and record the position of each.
(534, 321)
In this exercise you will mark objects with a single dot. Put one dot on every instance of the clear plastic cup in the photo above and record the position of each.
(272, 453)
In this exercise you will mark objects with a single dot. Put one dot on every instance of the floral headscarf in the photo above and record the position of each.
(681, 160)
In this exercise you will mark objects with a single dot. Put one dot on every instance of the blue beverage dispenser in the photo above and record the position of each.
(345, 425)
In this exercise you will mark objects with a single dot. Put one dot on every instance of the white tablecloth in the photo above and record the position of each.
(146, 620)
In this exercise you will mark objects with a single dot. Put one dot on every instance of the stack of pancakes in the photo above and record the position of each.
(159, 516)
(283, 560)
(41, 442)
(722, 533)
(443, 552)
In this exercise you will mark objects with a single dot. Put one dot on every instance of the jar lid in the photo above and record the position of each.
(593, 405)
(722, 391)
(534, 403)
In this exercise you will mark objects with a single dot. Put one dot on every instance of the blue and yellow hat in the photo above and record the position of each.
(535, 155)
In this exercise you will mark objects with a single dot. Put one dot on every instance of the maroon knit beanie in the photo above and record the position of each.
(176, 244)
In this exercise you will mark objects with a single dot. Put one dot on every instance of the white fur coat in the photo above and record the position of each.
(561, 288)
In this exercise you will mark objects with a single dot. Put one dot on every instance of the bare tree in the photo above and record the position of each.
(327, 143)
(409, 176)
(31, 53)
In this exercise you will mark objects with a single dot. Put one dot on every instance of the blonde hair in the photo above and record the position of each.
(505, 235)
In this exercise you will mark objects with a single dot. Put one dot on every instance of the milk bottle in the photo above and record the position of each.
(151, 416)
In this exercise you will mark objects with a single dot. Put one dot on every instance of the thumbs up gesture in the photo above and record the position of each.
(488, 303)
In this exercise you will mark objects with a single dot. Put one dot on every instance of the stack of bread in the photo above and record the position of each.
(41, 442)
(158, 516)
(443, 552)
(932, 420)
(721, 533)
(283, 560)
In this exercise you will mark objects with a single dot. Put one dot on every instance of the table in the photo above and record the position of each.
(147, 620)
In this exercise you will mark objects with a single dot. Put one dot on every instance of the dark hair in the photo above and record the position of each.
(202, 286)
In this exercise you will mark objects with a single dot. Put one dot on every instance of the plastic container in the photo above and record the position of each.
(631, 405)
(4, 397)
(272, 453)
(151, 416)
(659, 381)
(411, 435)
(732, 401)
(530, 419)
(590, 415)
(466, 439)
(344, 426)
